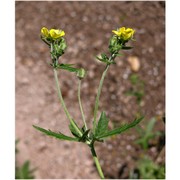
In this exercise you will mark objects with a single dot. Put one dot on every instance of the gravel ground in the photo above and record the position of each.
(88, 27)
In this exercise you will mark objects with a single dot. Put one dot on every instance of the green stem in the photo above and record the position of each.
(98, 96)
(63, 103)
(51, 46)
(80, 104)
(98, 166)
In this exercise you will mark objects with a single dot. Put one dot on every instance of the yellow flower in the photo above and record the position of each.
(124, 33)
(45, 32)
(56, 33)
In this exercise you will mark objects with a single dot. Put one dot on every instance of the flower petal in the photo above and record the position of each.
(45, 32)
(56, 33)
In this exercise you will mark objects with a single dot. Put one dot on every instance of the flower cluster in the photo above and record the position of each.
(54, 38)
(124, 34)
(52, 33)
(119, 39)
(117, 42)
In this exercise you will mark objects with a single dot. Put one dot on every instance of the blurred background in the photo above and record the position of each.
(135, 85)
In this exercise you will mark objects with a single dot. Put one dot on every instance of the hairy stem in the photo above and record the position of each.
(98, 166)
(80, 104)
(63, 103)
(98, 96)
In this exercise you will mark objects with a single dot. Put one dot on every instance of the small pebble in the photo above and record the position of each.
(134, 63)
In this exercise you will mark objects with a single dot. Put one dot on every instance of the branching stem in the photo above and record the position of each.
(80, 104)
(63, 103)
(98, 96)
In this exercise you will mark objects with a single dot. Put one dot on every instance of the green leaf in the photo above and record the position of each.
(104, 56)
(127, 47)
(104, 59)
(83, 129)
(54, 134)
(150, 126)
(24, 172)
(140, 130)
(102, 125)
(74, 131)
(67, 67)
(84, 136)
(121, 129)
(118, 54)
(25, 168)
(147, 134)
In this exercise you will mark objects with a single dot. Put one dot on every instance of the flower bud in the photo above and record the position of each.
(114, 44)
(59, 48)
(62, 44)
(81, 73)
(113, 41)
(45, 32)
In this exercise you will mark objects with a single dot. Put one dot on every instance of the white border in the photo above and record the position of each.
(172, 90)
(7, 80)
(7, 89)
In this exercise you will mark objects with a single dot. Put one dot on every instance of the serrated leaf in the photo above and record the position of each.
(105, 60)
(102, 125)
(67, 67)
(74, 131)
(84, 136)
(104, 56)
(121, 129)
(54, 134)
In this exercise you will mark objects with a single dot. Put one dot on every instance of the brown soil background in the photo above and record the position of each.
(88, 27)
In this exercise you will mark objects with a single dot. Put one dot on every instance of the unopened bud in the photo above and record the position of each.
(81, 73)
